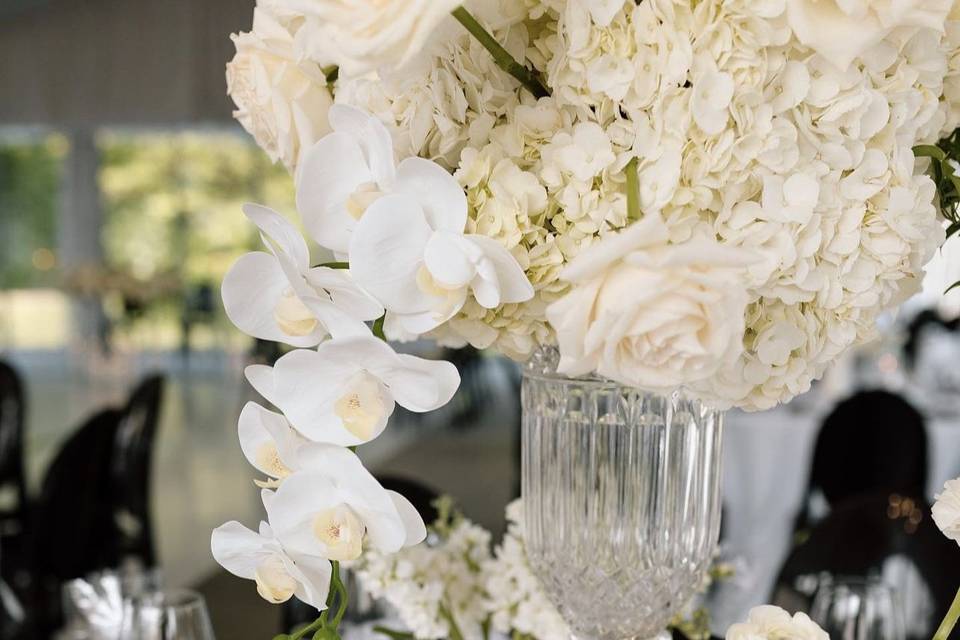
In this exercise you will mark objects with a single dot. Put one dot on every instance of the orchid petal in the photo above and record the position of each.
(312, 574)
(441, 196)
(359, 490)
(386, 253)
(279, 234)
(331, 171)
(309, 383)
(338, 322)
(374, 139)
(451, 259)
(422, 385)
(263, 380)
(511, 280)
(251, 291)
(345, 293)
(259, 426)
(413, 524)
(238, 549)
(421, 323)
(253, 434)
(294, 507)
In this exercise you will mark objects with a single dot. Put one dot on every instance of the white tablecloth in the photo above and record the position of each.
(766, 466)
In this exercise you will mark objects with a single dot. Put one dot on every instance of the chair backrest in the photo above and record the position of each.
(872, 441)
(130, 469)
(70, 529)
(12, 420)
(861, 536)
(71, 516)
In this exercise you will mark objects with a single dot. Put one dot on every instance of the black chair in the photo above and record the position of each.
(130, 467)
(13, 486)
(70, 527)
(926, 319)
(859, 536)
(873, 441)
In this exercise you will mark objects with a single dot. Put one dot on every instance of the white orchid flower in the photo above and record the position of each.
(401, 226)
(414, 258)
(342, 174)
(278, 296)
(344, 392)
(279, 574)
(269, 443)
(350, 169)
(336, 509)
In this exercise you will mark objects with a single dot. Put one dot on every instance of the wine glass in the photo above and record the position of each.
(858, 609)
(175, 614)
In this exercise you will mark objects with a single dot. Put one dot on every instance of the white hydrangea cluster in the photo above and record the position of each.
(430, 584)
(514, 596)
(742, 132)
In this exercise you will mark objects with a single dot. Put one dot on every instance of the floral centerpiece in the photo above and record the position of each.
(713, 196)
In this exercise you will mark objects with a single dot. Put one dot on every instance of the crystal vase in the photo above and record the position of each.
(621, 499)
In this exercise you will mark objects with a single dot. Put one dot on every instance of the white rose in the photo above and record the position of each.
(773, 623)
(842, 30)
(364, 35)
(651, 314)
(281, 101)
(946, 510)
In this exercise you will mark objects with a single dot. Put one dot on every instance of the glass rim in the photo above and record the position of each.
(177, 598)
(866, 583)
(541, 366)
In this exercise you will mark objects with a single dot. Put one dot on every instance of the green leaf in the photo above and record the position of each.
(378, 327)
(952, 287)
(929, 151)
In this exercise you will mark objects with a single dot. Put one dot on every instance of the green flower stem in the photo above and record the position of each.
(335, 265)
(950, 620)
(454, 629)
(501, 56)
(395, 635)
(633, 190)
(337, 584)
(313, 626)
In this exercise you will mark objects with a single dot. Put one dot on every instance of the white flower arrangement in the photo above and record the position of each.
(781, 128)
(720, 195)
(454, 587)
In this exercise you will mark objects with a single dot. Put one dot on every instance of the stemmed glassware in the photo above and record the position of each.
(176, 614)
(621, 500)
(858, 609)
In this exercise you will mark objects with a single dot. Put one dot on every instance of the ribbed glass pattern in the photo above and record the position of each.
(621, 497)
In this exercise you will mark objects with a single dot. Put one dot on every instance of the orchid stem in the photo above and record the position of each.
(396, 635)
(337, 583)
(313, 626)
(633, 190)
(950, 620)
(501, 56)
